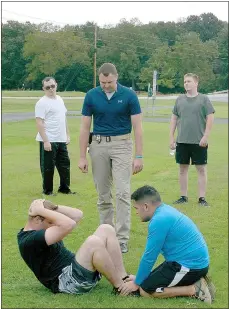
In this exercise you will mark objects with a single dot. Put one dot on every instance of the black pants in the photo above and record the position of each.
(48, 160)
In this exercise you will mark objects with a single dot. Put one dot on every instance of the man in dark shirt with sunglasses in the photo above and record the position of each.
(53, 136)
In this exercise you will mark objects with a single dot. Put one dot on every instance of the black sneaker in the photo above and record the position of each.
(66, 192)
(115, 291)
(181, 200)
(49, 193)
(202, 202)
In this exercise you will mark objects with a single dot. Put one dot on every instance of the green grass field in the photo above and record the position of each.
(21, 183)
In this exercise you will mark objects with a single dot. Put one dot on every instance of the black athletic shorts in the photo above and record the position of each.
(197, 154)
(170, 274)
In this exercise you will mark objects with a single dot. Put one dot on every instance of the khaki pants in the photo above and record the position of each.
(113, 161)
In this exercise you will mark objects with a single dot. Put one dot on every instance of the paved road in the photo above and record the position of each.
(6, 117)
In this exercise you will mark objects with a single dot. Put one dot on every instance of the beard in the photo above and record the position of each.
(146, 219)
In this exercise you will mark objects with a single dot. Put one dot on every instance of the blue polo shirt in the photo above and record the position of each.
(111, 117)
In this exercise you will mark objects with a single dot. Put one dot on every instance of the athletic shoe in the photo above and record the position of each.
(49, 193)
(181, 200)
(202, 291)
(115, 291)
(202, 202)
(124, 247)
(211, 286)
(66, 192)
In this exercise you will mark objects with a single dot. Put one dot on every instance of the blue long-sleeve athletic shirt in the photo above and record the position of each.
(177, 238)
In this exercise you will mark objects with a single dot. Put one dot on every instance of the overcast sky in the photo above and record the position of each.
(104, 13)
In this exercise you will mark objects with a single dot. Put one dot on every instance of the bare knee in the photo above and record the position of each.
(94, 242)
(184, 169)
(106, 229)
(201, 169)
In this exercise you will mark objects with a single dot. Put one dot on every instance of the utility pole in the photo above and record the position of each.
(95, 49)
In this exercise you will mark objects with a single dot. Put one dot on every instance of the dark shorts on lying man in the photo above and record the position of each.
(76, 279)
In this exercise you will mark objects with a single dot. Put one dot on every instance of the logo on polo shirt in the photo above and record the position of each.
(119, 101)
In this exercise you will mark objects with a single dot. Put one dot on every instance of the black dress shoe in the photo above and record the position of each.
(49, 193)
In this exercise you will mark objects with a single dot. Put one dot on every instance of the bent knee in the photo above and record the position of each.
(107, 228)
(94, 241)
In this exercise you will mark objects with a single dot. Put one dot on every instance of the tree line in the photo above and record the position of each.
(197, 44)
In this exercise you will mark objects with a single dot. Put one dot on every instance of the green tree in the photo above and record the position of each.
(188, 54)
(128, 46)
(192, 55)
(222, 61)
(167, 32)
(161, 61)
(49, 52)
(13, 63)
(207, 25)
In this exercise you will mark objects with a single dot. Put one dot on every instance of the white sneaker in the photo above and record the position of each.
(202, 291)
(124, 247)
(211, 286)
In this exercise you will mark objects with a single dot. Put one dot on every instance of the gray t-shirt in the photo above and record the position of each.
(192, 113)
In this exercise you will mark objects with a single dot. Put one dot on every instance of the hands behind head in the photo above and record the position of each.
(36, 207)
(49, 205)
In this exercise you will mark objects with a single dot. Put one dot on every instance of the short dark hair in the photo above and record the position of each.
(108, 68)
(47, 79)
(144, 192)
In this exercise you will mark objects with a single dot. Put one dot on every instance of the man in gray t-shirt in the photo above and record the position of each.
(193, 116)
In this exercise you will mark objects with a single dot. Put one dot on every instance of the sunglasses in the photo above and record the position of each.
(49, 87)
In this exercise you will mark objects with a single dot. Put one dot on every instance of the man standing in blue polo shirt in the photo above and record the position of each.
(115, 109)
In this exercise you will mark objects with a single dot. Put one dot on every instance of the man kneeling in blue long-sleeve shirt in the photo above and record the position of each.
(177, 238)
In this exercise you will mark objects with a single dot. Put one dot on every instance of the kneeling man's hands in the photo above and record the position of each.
(130, 278)
(128, 287)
